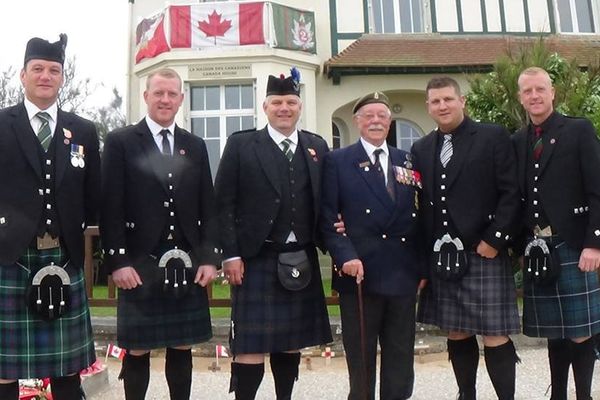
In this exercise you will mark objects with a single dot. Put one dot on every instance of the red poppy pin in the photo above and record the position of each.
(312, 153)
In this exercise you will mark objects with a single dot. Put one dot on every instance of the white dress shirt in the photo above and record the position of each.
(35, 122)
(155, 129)
(383, 157)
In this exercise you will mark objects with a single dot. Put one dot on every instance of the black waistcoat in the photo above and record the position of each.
(535, 214)
(49, 219)
(296, 203)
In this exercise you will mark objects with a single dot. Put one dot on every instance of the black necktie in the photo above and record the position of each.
(166, 146)
(537, 143)
(389, 185)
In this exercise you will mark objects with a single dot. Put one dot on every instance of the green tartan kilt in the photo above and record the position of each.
(31, 347)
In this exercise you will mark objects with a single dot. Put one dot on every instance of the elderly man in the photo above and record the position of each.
(377, 265)
(470, 207)
(159, 232)
(268, 187)
(558, 163)
(50, 180)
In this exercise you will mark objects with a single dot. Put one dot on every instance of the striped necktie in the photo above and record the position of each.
(446, 153)
(44, 133)
(538, 146)
(286, 147)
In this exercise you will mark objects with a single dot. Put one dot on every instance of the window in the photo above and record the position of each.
(575, 16)
(219, 110)
(403, 134)
(397, 16)
(336, 136)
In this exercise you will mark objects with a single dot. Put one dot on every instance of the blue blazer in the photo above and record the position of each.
(381, 232)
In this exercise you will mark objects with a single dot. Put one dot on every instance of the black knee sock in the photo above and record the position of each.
(464, 355)
(284, 367)
(178, 370)
(559, 355)
(67, 388)
(9, 391)
(245, 380)
(135, 374)
(500, 362)
(583, 357)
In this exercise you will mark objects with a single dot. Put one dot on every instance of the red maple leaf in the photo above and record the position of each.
(214, 27)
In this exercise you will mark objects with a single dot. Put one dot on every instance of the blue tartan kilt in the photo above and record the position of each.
(148, 318)
(34, 348)
(483, 302)
(267, 318)
(570, 308)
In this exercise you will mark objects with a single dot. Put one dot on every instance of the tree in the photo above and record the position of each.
(109, 117)
(494, 97)
(9, 92)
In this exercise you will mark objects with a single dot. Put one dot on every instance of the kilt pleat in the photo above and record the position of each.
(148, 318)
(267, 318)
(483, 302)
(570, 308)
(34, 348)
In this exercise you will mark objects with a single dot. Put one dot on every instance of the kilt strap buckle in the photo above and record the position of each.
(47, 242)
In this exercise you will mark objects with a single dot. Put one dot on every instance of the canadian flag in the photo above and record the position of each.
(221, 351)
(115, 351)
(150, 39)
(216, 24)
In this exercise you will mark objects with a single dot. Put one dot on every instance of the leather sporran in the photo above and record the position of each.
(541, 263)
(294, 270)
(48, 294)
(449, 261)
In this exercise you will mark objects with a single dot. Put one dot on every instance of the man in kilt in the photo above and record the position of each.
(268, 187)
(50, 179)
(470, 206)
(158, 225)
(558, 165)
(374, 188)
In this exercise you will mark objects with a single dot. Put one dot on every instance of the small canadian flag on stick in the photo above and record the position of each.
(221, 351)
(115, 351)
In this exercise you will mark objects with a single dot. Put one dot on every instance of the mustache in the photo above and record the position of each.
(376, 127)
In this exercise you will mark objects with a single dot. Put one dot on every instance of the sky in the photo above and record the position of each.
(97, 37)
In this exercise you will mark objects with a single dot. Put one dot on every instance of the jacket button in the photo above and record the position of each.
(384, 236)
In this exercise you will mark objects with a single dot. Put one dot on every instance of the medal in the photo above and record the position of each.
(74, 160)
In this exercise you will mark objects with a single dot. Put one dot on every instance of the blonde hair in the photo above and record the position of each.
(168, 73)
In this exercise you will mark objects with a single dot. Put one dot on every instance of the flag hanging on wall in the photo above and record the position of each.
(150, 39)
(216, 24)
(294, 29)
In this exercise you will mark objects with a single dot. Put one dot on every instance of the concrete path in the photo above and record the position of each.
(434, 380)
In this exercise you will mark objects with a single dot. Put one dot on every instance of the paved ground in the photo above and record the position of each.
(434, 380)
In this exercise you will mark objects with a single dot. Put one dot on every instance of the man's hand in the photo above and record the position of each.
(422, 284)
(234, 271)
(486, 251)
(354, 268)
(205, 275)
(589, 260)
(339, 225)
(126, 278)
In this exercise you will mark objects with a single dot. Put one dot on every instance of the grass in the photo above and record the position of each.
(220, 291)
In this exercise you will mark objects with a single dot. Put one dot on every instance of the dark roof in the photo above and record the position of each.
(422, 53)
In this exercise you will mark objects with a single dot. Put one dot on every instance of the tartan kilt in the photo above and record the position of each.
(568, 309)
(34, 348)
(483, 302)
(267, 318)
(148, 318)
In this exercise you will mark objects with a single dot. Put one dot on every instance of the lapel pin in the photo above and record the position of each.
(182, 152)
(66, 141)
(364, 164)
(67, 133)
(552, 141)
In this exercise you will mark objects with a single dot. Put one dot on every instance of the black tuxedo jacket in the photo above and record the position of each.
(482, 190)
(76, 190)
(381, 232)
(569, 178)
(135, 194)
(248, 188)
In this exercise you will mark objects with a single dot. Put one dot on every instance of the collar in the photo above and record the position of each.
(546, 125)
(456, 131)
(279, 137)
(369, 148)
(32, 110)
(155, 128)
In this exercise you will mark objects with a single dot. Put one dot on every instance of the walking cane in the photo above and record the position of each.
(363, 347)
